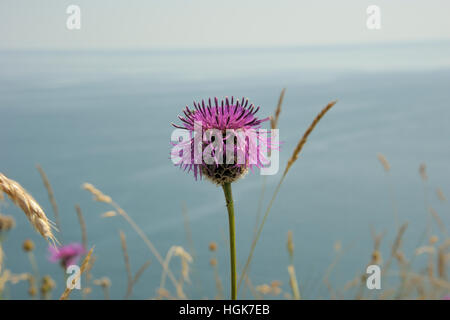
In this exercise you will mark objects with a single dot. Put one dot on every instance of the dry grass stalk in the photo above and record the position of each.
(109, 214)
(2, 197)
(438, 220)
(384, 162)
(441, 195)
(337, 246)
(291, 161)
(443, 258)
(290, 245)
(1, 257)
(423, 171)
(83, 268)
(424, 177)
(212, 247)
(163, 293)
(387, 294)
(441, 283)
(140, 271)
(21, 198)
(51, 195)
(99, 196)
(293, 282)
(47, 286)
(273, 125)
(105, 284)
(88, 276)
(386, 166)
(308, 131)
(7, 276)
(187, 229)
(424, 249)
(136, 277)
(126, 258)
(218, 281)
(82, 225)
(375, 258)
(429, 250)
(33, 263)
(32, 289)
(276, 117)
(185, 258)
(395, 247)
(252, 289)
(339, 253)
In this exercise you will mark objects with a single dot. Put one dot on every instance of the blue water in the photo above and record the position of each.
(104, 117)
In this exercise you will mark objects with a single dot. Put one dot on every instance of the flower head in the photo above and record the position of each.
(66, 255)
(28, 245)
(222, 140)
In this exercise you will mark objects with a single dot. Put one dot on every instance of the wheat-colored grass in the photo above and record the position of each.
(109, 214)
(273, 125)
(290, 245)
(291, 269)
(101, 197)
(423, 171)
(140, 271)
(384, 162)
(84, 242)
(387, 167)
(443, 257)
(105, 284)
(293, 282)
(289, 164)
(274, 120)
(126, 258)
(440, 194)
(1, 257)
(187, 229)
(396, 246)
(84, 266)
(438, 220)
(82, 225)
(186, 260)
(21, 198)
(6, 276)
(301, 143)
(97, 194)
(51, 195)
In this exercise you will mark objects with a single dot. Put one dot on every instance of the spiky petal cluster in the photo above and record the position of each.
(66, 255)
(234, 119)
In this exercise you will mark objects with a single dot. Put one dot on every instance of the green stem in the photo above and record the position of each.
(230, 208)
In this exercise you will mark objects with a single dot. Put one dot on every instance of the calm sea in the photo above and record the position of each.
(104, 117)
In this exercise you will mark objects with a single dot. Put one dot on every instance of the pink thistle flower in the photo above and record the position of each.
(66, 255)
(222, 141)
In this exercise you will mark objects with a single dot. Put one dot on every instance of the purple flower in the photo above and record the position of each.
(222, 140)
(66, 255)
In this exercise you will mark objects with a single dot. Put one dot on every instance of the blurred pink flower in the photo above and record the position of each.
(66, 255)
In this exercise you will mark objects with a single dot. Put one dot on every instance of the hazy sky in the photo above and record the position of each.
(211, 23)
